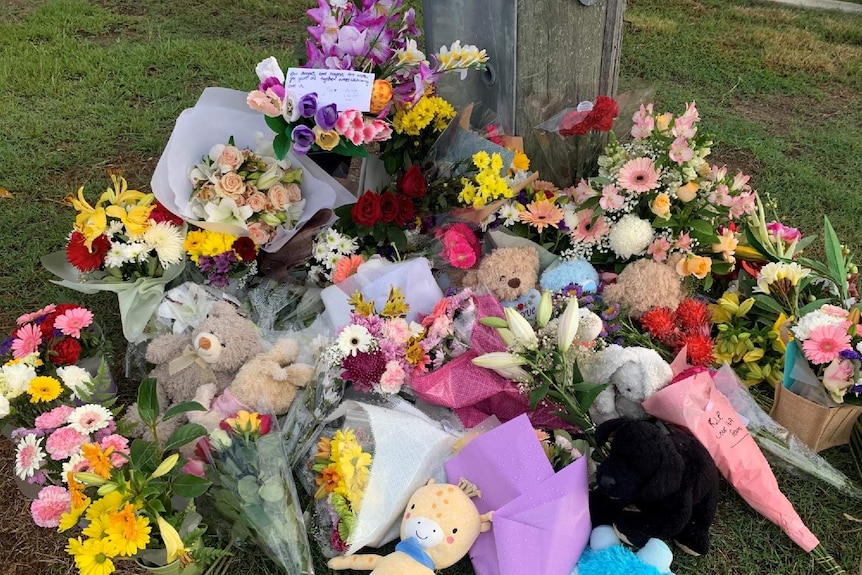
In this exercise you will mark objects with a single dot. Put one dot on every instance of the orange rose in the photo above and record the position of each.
(661, 206)
(230, 159)
(231, 184)
(697, 266)
(277, 196)
(687, 192)
(381, 94)
(260, 233)
(257, 201)
(294, 193)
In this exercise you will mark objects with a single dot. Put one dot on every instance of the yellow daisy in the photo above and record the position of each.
(44, 388)
(128, 531)
(93, 556)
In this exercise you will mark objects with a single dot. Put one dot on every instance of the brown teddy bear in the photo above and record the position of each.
(511, 275)
(267, 383)
(211, 354)
(646, 284)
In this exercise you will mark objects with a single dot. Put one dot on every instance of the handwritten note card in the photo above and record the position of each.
(347, 89)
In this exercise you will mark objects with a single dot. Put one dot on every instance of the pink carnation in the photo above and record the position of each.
(397, 331)
(64, 443)
(393, 378)
(54, 418)
(53, 501)
(121, 448)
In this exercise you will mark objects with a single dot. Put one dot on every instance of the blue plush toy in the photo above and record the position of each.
(606, 555)
(566, 272)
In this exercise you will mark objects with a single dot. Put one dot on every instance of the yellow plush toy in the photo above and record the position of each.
(440, 525)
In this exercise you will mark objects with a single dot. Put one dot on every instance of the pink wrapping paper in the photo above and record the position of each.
(541, 521)
(475, 392)
(696, 404)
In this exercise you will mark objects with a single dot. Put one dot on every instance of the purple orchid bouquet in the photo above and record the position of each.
(375, 37)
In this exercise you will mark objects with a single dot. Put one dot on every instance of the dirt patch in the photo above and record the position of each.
(781, 114)
(736, 159)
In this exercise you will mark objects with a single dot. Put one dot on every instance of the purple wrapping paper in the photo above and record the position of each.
(541, 522)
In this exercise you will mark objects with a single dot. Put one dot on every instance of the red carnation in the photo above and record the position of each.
(84, 259)
(388, 207)
(574, 124)
(65, 351)
(699, 348)
(245, 248)
(161, 214)
(366, 211)
(602, 116)
(405, 211)
(693, 316)
(412, 184)
(659, 322)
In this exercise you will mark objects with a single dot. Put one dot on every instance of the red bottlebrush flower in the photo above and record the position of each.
(699, 348)
(245, 248)
(161, 214)
(64, 351)
(82, 258)
(693, 316)
(364, 369)
(659, 322)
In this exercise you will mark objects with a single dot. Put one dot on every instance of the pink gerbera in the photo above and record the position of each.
(638, 175)
(825, 342)
(588, 231)
(27, 340)
(53, 502)
(73, 321)
(28, 317)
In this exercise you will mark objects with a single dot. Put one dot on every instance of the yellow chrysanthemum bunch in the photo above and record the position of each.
(486, 186)
(431, 110)
(207, 243)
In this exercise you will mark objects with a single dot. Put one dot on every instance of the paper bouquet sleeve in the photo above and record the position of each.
(218, 115)
(541, 519)
(695, 404)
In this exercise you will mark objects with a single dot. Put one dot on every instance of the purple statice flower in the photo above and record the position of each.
(308, 105)
(303, 139)
(206, 263)
(6, 346)
(326, 116)
(274, 84)
(225, 261)
(850, 354)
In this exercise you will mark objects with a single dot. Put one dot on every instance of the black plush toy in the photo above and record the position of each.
(668, 478)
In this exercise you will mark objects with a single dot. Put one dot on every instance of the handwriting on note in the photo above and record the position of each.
(347, 89)
(726, 427)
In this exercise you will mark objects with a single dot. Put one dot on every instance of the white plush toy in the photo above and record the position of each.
(634, 373)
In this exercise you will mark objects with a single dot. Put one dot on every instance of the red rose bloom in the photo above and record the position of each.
(161, 214)
(366, 211)
(82, 258)
(64, 351)
(405, 211)
(388, 207)
(412, 184)
(245, 248)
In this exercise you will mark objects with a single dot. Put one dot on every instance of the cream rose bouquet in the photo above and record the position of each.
(243, 189)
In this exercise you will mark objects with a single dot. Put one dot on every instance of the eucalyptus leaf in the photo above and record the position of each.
(272, 490)
(247, 488)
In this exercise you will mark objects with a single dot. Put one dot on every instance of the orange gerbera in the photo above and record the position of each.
(76, 491)
(327, 482)
(99, 460)
(541, 215)
(346, 267)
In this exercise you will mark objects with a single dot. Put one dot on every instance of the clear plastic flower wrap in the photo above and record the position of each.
(365, 467)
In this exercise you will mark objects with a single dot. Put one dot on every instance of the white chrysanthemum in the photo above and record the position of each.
(630, 236)
(353, 339)
(75, 378)
(509, 214)
(116, 256)
(812, 321)
(167, 240)
(90, 418)
(570, 217)
(115, 228)
(332, 260)
(29, 456)
(17, 377)
(135, 251)
(331, 238)
(320, 251)
(4, 406)
(347, 245)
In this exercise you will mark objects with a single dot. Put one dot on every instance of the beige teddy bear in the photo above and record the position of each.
(644, 285)
(509, 273)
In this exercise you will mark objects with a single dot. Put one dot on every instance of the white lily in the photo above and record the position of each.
(227, 212)
(543, 315)
(506, 335)
(499, 359)
(515, 374)
(521, 329)
(568, 327)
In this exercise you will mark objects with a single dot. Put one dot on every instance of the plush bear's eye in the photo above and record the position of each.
(502, 278)
(454, 531)
(413, 506)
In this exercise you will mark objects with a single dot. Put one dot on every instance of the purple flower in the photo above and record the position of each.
(850, 354)
(308, 105)
(206, 263)
(224, 261)
(409, 26)
(274, 84)
(219, 281)
(351, 41)
(326, 117)
(303, 139)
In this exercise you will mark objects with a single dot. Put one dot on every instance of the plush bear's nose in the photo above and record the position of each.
(514, 283)
(204, 343)
(607, 481)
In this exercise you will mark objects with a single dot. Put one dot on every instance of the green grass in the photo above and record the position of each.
(87, 85)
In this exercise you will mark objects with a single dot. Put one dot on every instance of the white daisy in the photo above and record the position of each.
(116, 256)
(347, 245)
(509, 214)
(320, 251)
(332, 238)
(353, 339)
(75, 378)
(29, 456)
(89, 418)
(135, 251)
(332, 260)
(167, 240)
(115, 228)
